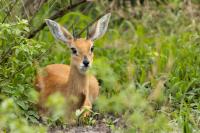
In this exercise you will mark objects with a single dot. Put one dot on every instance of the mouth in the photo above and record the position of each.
(83, 69)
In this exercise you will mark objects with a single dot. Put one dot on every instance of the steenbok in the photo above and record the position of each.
(72, 80)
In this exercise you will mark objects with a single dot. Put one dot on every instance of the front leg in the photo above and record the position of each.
(87, 106)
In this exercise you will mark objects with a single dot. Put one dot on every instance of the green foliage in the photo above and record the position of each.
(11, 121)
(17, 71)
(56, 105)
(137, 112)
(148, 66)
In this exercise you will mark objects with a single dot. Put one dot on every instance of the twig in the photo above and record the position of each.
(3, 57)
(40, 5)
(9, 12)
(90, 24)
(87, 8)
(25, 66)
(58, 14)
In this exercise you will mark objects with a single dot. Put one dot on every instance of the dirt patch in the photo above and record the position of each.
(98, 128)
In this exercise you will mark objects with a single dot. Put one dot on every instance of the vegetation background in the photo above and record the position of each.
(148, 63)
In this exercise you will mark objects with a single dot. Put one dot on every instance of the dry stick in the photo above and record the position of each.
(25, 66)
(9, 51)
(58, 14)
(9, 12)
(33, 16)
(87, 8)
(37, 58)
(90, 24)
(3, 56)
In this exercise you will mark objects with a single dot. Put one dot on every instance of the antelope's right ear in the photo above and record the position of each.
(59, 32)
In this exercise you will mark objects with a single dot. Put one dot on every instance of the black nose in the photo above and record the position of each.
(86, 63)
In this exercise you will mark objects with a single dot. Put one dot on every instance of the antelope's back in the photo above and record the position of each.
(52, 78)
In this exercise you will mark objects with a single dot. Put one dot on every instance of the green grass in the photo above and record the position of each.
(149, 66)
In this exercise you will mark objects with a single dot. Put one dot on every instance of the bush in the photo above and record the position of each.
(16, 76)
(147, 63)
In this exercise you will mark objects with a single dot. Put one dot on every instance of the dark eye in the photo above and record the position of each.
(74, 51)
(92, 48)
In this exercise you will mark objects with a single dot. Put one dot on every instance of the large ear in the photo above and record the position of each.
(58, 31)
(99, 28)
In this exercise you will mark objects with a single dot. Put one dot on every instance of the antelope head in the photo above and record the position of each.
(81, 48)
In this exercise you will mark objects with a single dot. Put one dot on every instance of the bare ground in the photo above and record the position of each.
(100, 127)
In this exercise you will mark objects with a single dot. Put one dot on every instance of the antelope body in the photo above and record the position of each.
(72, 80)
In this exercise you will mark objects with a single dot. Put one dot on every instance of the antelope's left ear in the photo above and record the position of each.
(99, 28)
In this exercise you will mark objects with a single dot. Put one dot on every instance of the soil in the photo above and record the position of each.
(98, 128)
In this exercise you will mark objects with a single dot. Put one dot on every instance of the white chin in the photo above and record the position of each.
(83, 69)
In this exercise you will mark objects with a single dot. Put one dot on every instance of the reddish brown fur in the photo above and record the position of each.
(69, 80)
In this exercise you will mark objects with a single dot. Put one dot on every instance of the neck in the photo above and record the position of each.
(77, 82)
